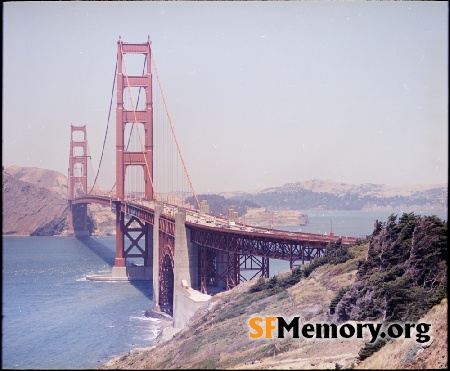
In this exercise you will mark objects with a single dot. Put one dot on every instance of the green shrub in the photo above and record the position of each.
(277, 284)
(336, 253)
(371, 348)
(337, 298)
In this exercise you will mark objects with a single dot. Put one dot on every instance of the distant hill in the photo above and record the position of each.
(43, 178)
(34, 202)
(365, 189)
(329, 195)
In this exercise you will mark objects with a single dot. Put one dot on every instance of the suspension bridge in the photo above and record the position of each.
(186, 251)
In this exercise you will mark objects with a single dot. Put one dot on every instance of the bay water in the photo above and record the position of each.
(350, 223)
(53, 318)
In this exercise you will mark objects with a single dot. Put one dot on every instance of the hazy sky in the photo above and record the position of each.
(260, 93)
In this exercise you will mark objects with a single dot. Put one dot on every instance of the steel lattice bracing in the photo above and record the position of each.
(166, 277)
(208, 268)
(224, 269)
(166, 264)
(274, 247)
(135, 250)
(258, 264)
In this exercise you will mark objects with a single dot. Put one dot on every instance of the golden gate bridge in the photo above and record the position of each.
(179, 244)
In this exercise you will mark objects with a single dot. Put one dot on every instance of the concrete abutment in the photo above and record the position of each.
(186, 300)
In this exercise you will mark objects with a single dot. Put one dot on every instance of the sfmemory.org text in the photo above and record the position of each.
(265, 326)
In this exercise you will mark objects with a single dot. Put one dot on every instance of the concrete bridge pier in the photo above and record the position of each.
(78, 225)
(186, 300)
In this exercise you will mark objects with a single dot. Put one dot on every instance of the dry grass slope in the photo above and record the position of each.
(218, 334)
(217, 337)
(407, 354)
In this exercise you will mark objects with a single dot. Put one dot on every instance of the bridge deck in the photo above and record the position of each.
(211, 231)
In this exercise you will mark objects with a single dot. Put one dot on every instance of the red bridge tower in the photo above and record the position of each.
(125, 158)
(78, 183)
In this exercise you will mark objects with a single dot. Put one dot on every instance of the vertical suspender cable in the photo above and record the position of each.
(173, 132)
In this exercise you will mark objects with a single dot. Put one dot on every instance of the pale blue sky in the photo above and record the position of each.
(260, 93)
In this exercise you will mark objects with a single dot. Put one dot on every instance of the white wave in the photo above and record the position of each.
(151, 319)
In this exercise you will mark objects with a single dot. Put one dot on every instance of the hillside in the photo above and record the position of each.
(343, 279)
(34, 203)
(366, 189)
(328, 195)
(218, 334)
(407, 354)
(42, 178)
(30, 209)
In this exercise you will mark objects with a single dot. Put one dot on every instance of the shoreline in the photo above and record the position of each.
(167, 332)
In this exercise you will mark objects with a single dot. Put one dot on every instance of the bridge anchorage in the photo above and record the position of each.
(160, 237)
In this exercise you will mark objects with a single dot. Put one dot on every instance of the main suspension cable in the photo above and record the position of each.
(107, 125)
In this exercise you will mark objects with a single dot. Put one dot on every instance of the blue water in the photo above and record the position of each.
(353, 223)
(54, 319)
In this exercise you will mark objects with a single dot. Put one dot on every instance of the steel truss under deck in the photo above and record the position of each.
(273, 247)
(224, 269)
